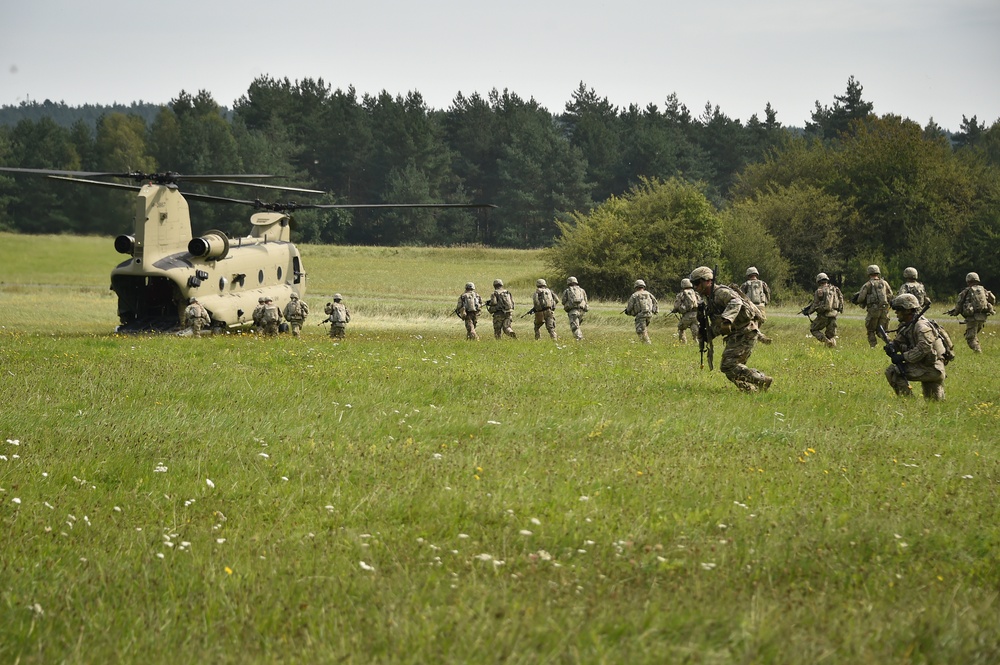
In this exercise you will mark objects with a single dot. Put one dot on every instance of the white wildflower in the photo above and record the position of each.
(707, 566)
(365, 566)
(160, 469)
(584, 498)
(493, 422)
(524, 532)
(15, 500)
(208, 481)
(536, 521)
(264, 455)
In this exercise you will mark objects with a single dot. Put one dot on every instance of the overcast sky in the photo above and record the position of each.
(920, 59)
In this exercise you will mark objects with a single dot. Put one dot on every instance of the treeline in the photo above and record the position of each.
(848, 187)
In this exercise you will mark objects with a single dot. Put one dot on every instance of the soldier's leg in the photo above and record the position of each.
(681, 329)
(539, 322)
(575, 318)
(972, 328)
(897, 380)
(508, 325)
(470, 326)
(817, 328)
(933, 390)
(641, 323)
(739, 346)
(871, 325)
(550, 323)
(831, 331)
(498, 325)
(693, 326)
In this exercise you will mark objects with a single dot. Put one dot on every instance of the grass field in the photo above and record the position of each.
(406, 496)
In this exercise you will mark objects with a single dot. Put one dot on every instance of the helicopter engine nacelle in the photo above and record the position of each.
(125, 244)
(213, 245)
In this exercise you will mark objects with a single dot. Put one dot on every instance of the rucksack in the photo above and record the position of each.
(755, 290)
(337, 314)
(469, 301)
(949, 346)
(975, 301)
(755, 312)
(544, 299)
(877, 292)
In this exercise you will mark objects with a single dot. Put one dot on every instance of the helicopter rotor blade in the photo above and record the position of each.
(260, 184)
(97, 183)
(165, 178)
(362, 206)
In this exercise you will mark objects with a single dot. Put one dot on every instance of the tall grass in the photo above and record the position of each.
(406, 496)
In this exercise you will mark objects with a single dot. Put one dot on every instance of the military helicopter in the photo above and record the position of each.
(168, 265)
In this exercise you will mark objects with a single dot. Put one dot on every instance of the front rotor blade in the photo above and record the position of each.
(97, 183)
(259, 184)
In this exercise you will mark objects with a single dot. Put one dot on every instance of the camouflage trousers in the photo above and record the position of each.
(878, 315)
(471, 318)
(687, 322)
(575, 319)
(642, 325)
(271, 328)
(547, 318)
(197, 325)
(739, 346)
(931, 380)
(503, 324)
(296, 327)
(972, 329)
(337, 331)
(824, 328)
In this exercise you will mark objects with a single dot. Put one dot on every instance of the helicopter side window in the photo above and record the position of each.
(279, 273)
(260, 276)
(296, 269)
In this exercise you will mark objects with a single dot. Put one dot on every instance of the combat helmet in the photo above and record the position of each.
(972, 277)
(905, 301)
(337, 296)
(192, 299)
(686, 284)
(572, 281)
(469, 286)
(639, 283)
(910, 273)
(752, 271)
(873, 270)
(497, 283)
(260, 301)
(701, 274)
(294, 296)
(540, 283)
(822, 277)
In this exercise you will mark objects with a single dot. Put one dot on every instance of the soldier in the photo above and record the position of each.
(874, 296)
(544, 302)
(196, 316)
(911, 285)
(686, 306)
(468, 308)
(975, 303)
(828, 302)
(296, 312)
(759, 293)
(258, 312)
(735, 318)
(642, 305)
(917, 352)
(574, 301)
(270, 317)
(501, 306)
(338, 315)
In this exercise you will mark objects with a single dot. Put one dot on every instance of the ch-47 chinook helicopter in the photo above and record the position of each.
(168, 265)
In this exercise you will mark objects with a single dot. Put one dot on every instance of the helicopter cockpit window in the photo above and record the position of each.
(260, 276)
(279, 273)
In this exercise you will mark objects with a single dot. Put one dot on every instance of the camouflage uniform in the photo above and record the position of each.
(270, 318)
(759, 293)
(827, 303)
(875, 296)
(736, 320)
(975, 304)
(574, 301)
(913, 287)
(543, 302)
(258, 313)
(296, 312)
(196, 316)
(501, 306)
(468, 308)
(642, 305)
(339, 315)
(686, 305)
(920, 353)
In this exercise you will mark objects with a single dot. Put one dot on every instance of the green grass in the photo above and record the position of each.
(519, 501)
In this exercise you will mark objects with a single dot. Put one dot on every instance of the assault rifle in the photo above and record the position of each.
(891, 350)
(530, 311)
(704, 337)
(805, 311)
(326, 320)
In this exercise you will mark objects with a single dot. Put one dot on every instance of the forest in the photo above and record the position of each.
(683, 188)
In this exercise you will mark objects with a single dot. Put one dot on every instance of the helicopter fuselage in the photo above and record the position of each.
(168, 265)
